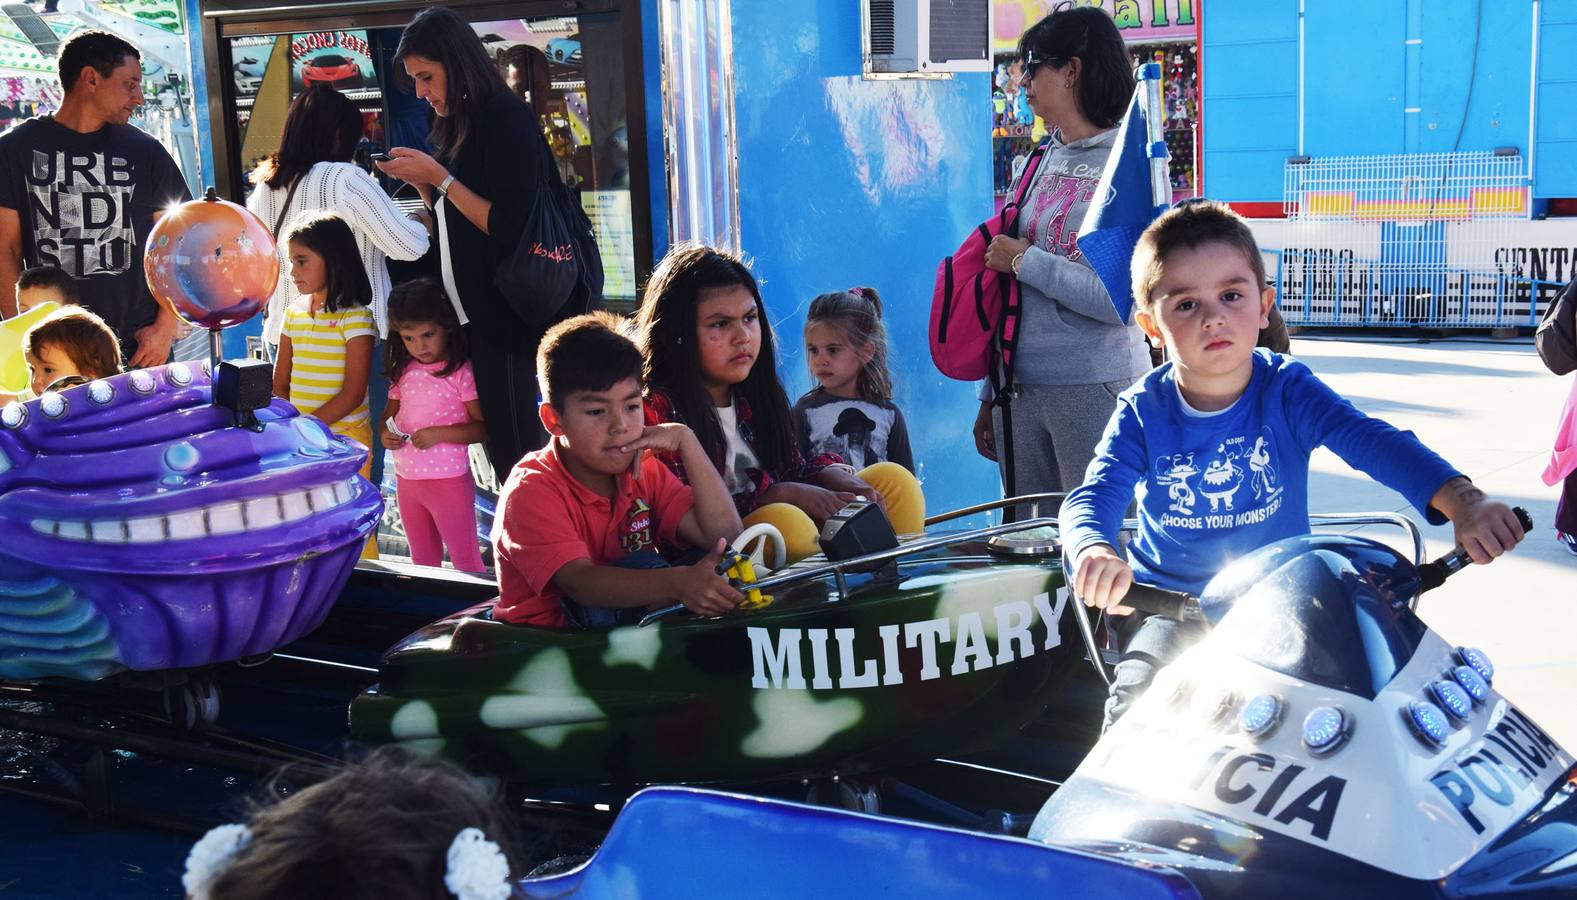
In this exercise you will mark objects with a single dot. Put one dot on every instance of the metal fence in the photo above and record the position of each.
(1405, 240)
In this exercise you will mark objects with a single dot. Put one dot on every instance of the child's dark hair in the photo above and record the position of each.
(1189, 226)
(50, 277)
(414, 302)
(327, 235)
(588, 352)
(858, 313)
(81, 335)
(380, 828)
(667, 325)
(1087, 33)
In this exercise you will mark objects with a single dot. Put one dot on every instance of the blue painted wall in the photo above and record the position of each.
(1555, 162)
(1249, 63)
(1382, 77)
(656, 165)
(845, 182)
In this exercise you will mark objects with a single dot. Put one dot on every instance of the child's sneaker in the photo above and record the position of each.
(1569, 541)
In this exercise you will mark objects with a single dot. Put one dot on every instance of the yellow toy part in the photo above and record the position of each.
(14, 375)
(742, 572)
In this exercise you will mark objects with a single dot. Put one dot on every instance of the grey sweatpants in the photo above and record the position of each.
(1055, 430)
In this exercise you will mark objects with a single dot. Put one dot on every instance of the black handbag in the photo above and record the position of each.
(556, 269)
(1556, 338)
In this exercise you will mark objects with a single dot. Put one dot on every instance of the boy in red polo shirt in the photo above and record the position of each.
(578, 518)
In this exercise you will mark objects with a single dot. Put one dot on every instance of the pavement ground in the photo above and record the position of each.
(1490, 408)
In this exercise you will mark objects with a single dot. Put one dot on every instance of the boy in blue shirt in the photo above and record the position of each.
(1214, 445)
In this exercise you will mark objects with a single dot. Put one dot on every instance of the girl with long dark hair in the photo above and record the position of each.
(489, 160)
(311, 172)
(711, 363)
(325, 349)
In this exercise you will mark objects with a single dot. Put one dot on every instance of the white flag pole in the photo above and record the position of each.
(1149, 76)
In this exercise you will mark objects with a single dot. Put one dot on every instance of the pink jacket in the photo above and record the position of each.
(1563, 456)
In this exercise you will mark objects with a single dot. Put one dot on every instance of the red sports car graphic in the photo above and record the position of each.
(331, 70)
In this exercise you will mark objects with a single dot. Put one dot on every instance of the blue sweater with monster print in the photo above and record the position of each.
(1214, 486)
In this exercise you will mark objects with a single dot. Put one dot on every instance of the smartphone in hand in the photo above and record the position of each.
(395, 429)
(380, 157)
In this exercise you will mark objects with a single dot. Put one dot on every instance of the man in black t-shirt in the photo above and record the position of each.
(82, 189)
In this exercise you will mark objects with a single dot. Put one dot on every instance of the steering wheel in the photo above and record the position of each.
(764, 535)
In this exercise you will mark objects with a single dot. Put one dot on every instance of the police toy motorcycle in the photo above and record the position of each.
(1322, 741)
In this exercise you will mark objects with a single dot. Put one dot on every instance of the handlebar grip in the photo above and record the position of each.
(1158, 601)
(1434, 574)
(1523, 519)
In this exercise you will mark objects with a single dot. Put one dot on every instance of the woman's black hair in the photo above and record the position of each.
(669, 340)
(323, 125)
(471, 77)
(414, 302)
(327, 235)
(1087, 33)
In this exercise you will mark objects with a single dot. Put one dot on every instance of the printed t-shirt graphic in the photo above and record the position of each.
(87, 203)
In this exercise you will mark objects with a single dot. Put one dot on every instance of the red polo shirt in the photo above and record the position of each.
(547, 518)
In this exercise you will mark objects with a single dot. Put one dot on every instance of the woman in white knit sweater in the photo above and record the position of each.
(311, 172)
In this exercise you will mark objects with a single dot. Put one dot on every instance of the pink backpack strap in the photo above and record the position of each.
(1031, 166)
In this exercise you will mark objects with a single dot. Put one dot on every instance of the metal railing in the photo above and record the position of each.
(1414, 239)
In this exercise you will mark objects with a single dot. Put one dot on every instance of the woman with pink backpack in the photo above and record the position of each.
(1074, 353)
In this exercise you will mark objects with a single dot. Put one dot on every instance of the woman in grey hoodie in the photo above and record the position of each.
(1075, 353)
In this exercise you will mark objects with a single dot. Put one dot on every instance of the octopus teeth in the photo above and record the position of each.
(229, 517)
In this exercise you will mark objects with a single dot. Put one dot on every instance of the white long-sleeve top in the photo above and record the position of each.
(382, 231)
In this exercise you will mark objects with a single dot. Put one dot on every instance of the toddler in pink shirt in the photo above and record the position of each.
(432, 415)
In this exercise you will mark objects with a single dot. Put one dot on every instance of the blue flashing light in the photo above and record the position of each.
(1472, 656)
(1428, 722)
(1451, 698)
(1324, 729)
(1471, 682)
(1260, 715)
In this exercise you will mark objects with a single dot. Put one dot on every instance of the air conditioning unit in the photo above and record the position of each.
(906, 37)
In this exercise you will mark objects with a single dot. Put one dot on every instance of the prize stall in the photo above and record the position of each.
(1165, 32)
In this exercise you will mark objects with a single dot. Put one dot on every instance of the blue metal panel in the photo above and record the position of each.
(1555, 157)
(192, 10)
(1498, 114)
(1354, 78)
(656, 164)
(1249, 96)
(847, 182)
(679, 842)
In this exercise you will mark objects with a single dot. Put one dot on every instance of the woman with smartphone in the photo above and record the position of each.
(312, 172)
(489, 160)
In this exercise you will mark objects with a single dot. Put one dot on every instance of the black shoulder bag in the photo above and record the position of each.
(556, 269)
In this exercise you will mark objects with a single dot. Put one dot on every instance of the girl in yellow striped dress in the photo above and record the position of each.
(325, 350)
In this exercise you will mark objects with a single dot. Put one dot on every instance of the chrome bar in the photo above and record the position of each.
(1034, 500)
(1339, 520)
(1088, 634)
(837, 569)
(1375, 518)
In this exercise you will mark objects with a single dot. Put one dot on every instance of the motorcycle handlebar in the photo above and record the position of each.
(1158, 601)
(1434, 574)
(1176, 605)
